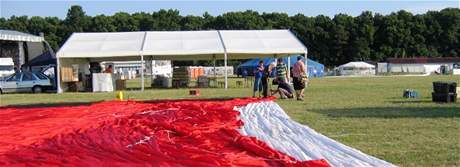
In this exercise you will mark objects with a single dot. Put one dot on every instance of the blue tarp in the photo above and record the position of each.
(314, 68)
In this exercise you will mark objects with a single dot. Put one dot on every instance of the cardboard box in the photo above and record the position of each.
(69, 74)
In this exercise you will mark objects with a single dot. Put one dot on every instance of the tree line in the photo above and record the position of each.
(331, 41)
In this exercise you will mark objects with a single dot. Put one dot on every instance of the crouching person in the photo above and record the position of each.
(284, 89)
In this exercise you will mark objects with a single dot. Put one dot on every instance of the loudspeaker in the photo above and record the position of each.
(444, 97)
(444, 87)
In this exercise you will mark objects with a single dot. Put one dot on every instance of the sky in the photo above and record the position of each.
(217, 7)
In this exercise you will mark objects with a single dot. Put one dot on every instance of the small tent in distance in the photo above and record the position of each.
(314, 69)
(356, 69)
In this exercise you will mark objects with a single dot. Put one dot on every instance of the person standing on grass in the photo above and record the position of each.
(265, 76)
(258, 73)
(298, 77)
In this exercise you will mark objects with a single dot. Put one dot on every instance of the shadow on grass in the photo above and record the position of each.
(400, 100)
(40, 105)
(394, 112)
(410, 101)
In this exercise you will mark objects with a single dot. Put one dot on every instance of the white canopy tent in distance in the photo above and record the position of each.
(177, 45)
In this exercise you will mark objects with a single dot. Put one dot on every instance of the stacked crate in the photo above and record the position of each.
(181, 77)
(69, 74)
(203, 81)
(444, 92)
(161, 82)
(195, 72)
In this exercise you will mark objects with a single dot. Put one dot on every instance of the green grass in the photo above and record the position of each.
(365, 113)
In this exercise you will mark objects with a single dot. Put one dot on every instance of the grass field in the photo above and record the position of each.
(365, 113)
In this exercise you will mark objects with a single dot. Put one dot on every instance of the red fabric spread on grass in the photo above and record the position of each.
(166, 133)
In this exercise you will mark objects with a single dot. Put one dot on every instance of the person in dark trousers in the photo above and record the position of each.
(284, 89)
(265, 76)
(299, 76)
(258, 73)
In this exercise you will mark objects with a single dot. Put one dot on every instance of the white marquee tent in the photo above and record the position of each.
(178, 45)
(357, 69)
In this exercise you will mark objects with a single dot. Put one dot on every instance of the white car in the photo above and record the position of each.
(35, 82)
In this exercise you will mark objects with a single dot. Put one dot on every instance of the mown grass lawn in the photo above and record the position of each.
(366, 113)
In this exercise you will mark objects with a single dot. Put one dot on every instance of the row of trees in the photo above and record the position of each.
(332, 41)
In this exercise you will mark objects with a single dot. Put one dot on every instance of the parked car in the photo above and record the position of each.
(35, 82)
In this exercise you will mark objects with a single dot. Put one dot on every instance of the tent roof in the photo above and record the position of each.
(174, 45)
(182, 42)
(10, 35)
(97, 45)
(358, 64)
(256, 43)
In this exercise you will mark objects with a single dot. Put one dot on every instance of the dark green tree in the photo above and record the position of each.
(102, 23)
(366, 37)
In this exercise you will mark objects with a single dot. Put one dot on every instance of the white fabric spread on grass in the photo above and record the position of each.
(269, 123)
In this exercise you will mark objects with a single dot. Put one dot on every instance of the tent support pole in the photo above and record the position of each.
(142, 72)
(306, 62)
(142, 61)
(151, 69)
(225, 59)
(214, 65)
(289, 67)
(58, 76)
(226, 73)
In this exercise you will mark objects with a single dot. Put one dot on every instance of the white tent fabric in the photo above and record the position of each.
(358, 64)
(268, 122)
(357, 69)
(9, 35)
(241, 44)
(97, 45)
(173, 45)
